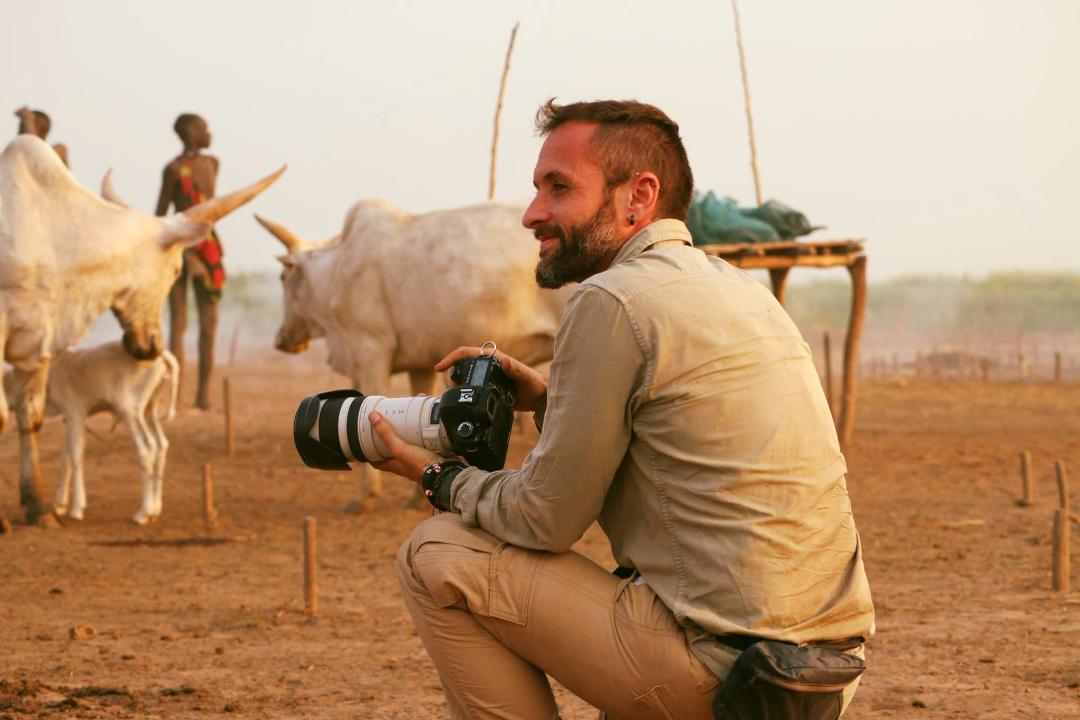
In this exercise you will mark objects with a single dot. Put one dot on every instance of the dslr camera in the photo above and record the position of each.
(332, 429)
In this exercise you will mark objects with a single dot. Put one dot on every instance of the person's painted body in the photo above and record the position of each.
(188, 180)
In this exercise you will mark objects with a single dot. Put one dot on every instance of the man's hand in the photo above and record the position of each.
(408, 461)
(196, 267)
(531, 386)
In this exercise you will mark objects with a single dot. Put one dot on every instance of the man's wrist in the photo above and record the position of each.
(437, 480)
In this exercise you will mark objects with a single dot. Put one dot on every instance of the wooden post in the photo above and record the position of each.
(5, 525)
(828, 373)
(1062, 484)
(209, 512)
(498, 111)
(230, 435)
(1027, 497)
(851, 349)
(1060, 549)
(1057, 367)
(311, 586)
(746, 102)
(778, 280)
(984, 369)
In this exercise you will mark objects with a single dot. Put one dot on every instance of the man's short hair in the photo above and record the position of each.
(631, 137)
(183, 123)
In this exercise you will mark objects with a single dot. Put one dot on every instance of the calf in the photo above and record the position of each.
(139, 393)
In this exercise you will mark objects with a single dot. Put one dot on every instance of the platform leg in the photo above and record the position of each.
(851, 349)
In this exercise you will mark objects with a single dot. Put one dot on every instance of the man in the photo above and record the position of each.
(684, 413)
(36, 122)
(188, 180)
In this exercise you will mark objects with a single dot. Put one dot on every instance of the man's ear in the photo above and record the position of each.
(178, 229)
(644, 196)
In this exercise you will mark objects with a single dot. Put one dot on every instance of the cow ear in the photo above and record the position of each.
(287, 260)
(180, 230)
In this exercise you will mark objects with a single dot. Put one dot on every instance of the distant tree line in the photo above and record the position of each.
(1035, 302)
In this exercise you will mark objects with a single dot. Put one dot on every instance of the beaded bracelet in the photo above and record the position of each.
(437, 479)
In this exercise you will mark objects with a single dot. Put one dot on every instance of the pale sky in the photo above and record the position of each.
(943, 131)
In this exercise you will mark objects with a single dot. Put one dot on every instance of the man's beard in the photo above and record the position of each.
(583, 250)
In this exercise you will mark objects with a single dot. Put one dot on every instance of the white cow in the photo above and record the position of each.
(66, 256)
(138, 393)
(398, 291)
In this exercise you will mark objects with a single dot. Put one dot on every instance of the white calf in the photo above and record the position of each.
(139, 393)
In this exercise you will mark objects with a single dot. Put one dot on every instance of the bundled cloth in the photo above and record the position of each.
(721, 221)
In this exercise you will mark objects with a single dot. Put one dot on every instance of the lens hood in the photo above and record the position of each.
(315, 454)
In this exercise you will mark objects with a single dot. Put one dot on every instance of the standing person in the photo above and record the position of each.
(36, 122)
(188, 180)
(683, 413)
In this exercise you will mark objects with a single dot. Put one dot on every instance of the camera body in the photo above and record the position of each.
(473, 420)
(478, 415)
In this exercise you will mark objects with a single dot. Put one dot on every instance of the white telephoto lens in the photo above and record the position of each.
(411, 418)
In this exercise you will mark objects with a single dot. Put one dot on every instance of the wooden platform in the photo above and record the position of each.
(778, 258)
(787, 254)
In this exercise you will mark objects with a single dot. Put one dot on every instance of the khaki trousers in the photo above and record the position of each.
(496, 619)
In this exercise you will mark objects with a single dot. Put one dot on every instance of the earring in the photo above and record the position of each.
(631, 219)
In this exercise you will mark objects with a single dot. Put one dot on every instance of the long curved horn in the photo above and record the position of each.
(292, 242)
(213, 210)
(109, 192)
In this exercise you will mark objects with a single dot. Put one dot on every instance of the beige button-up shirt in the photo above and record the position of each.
(685, 414)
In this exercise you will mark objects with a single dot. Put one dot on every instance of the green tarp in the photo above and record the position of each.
(721, 221)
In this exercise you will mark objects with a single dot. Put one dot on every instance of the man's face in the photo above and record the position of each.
(200, 133)
(572, 214)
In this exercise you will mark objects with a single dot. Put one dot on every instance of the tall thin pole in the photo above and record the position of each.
(498, 111)
(746, 101)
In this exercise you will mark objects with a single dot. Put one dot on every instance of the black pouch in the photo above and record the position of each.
(774, 680)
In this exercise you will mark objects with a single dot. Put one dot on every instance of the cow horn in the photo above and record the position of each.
(292, 242)
(109, 192)
(213, 210)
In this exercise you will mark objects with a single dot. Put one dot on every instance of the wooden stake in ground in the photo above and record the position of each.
(498, 111)
(1062, 484)
(230, 435)
(1057, 367)
(828, 373)
(746, 103)
(1027, 497)
(209, 512)
(311, 586)
(1060, 549)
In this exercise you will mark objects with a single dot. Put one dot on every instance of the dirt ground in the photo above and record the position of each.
(103, 619)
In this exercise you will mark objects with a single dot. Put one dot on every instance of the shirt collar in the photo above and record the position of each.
(655, 232)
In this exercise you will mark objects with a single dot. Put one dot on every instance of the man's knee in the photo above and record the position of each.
(449, 562)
